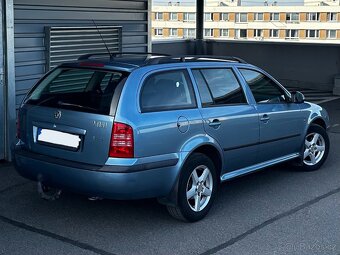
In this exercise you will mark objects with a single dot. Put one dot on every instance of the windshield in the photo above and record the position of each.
(78, 89)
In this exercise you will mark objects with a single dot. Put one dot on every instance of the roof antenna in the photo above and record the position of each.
(107, 48)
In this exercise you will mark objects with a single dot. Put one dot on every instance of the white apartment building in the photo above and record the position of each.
(315, 21)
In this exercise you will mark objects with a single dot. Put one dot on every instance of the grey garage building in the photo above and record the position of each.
(25, 45)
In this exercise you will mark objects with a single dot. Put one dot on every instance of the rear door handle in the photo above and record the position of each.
(215, 123)
(265, 117)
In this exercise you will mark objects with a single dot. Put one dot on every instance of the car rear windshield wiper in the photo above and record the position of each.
(44, 101)
(76, 105)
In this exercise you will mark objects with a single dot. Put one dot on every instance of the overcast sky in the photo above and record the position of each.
(244, 2)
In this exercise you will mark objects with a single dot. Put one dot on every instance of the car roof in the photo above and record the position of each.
(130, 61)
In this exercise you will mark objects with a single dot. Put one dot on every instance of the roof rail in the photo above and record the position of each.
(116, 54)
(191, 58)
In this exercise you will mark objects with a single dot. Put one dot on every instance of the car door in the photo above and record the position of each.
(227, 116)
(281, 122)
(169, 114)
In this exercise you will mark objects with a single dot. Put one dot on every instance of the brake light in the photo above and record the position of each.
(122, 144)
(91, 64)
(18, 126)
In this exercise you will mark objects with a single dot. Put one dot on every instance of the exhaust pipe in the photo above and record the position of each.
(94, 198)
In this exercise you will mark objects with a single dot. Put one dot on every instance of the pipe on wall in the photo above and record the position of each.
(199, 26)
(9, 77)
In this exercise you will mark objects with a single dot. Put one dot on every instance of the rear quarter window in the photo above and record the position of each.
(169, 90)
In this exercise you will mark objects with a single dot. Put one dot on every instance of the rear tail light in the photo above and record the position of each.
(122, 144)
(18, 126)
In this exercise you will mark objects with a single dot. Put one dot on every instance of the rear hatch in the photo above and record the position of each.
(70, 113)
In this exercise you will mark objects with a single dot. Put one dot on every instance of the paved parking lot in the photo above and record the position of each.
(276, 211)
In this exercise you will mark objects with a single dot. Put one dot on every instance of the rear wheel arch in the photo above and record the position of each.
(190, 209)
(213, 153)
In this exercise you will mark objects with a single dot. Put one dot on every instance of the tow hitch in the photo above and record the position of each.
(48, 193)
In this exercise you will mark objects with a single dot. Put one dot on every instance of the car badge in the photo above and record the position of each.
(57, 115)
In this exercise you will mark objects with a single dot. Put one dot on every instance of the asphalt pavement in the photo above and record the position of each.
(280, 210)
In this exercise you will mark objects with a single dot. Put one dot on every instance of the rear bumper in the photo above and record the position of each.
(96, 181)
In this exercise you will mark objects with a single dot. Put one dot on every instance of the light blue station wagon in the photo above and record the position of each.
(136, 126)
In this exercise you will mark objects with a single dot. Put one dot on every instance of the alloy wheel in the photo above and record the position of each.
(199, 188)
(315, 147)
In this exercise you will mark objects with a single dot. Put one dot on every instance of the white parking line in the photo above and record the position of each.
(326, 100)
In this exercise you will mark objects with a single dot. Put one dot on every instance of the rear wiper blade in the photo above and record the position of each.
(44, 101)
(76, 105)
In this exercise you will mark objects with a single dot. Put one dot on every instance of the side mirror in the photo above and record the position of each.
(297, 97)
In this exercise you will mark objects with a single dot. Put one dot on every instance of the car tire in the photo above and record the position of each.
(196, 190)
(315, 148)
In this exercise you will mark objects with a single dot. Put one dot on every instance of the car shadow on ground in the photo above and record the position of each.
(239, 189)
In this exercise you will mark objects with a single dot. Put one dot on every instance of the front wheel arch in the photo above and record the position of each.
(318, 121)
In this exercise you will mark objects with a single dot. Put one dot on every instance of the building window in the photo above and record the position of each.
(208, 16)
(240, 33)
(292, 17)
(331, 34)
(173, 32)
(313, 16)
(313, 33)
(292, 34)
(208, 32)
(224, 32)
(158, 32)
(332, 16)
(189, 33)
(189, 16)
(275, 16)
(159, 15)
(274, 33)
(241, 17)
(224, 16)
(258, 33)
(259, 16)
(173, 16)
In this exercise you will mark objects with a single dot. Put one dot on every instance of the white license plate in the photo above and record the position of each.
(58, 138)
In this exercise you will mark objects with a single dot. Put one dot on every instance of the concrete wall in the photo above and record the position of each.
(179, 47)
(293, 64)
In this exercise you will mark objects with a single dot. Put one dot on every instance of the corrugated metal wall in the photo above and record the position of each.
(32, 16)
(2, 96)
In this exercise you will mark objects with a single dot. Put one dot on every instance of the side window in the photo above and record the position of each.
(203, 89)
(168, 90)
(264, 89)
(219, 87)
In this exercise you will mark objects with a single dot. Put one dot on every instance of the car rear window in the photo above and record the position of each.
(80, 89)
